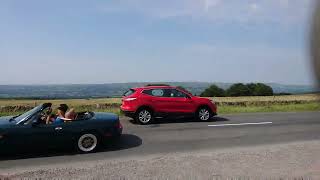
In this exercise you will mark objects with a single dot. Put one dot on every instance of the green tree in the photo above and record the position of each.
(262, 90)
(213, 91)
(239, 89)
(252, 87)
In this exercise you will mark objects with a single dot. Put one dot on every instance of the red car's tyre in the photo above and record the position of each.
(204, 114)
(144, 116)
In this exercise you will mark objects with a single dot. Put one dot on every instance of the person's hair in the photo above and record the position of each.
(63, 107)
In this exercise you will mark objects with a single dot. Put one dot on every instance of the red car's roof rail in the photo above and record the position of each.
(149, 87)
(157, 85)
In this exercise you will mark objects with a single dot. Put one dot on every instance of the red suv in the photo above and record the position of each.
(145, 103)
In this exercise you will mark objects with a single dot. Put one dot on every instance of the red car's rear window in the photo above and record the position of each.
(129, 92)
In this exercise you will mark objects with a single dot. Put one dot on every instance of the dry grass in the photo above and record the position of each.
(83, 102)
(267, 100)
(75, 102)
(226, 105)
(304, 97)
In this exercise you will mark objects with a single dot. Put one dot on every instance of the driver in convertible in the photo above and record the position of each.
(62, 115)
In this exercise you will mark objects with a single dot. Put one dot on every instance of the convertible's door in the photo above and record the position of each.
(47, 135)
(65, 134)
(52, 133)
(23, 137)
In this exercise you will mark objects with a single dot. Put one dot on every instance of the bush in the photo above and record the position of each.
(251, 89)
(239, 89)
(213, 91)
(262, 90)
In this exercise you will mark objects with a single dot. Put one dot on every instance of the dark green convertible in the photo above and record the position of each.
(86, 132)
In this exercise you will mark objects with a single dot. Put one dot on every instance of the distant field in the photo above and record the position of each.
(268, 100)
(226, 105)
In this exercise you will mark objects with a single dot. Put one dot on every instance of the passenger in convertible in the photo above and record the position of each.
(62, 115)
(71, 114)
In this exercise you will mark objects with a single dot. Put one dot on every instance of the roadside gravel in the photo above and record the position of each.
(298, 160)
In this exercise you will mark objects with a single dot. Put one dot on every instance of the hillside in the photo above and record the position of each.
(117, 89)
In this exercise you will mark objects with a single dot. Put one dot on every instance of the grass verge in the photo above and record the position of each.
(223, 109)
(269, 108)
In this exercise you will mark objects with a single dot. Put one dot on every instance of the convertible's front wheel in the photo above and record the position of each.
(88, 143)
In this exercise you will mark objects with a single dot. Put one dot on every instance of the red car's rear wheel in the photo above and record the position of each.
(144, 116)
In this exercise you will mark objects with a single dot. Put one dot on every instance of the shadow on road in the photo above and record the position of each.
(170, 120)
(126, 141)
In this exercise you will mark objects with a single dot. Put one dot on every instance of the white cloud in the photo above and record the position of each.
(210, 3)
(261, 11)
(254, 7)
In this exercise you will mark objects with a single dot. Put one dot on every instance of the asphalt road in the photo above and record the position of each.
(179, 135)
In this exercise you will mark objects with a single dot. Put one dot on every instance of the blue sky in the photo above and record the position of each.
(80, 41)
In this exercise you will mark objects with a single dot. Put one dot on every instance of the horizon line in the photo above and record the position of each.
(69, 84)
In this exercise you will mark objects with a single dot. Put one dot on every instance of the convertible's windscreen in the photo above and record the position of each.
(27, 114)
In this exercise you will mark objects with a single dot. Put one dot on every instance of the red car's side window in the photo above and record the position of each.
(155, 92)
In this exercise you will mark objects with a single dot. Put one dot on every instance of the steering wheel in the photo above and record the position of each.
(43, 115)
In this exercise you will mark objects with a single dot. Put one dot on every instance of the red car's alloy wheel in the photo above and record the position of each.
(204, 114)
(144, 116)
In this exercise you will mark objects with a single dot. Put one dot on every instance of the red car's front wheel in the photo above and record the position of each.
(204, 114)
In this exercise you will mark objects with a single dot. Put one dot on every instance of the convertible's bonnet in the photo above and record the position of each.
(4, 121)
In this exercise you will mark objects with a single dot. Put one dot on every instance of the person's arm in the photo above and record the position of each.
(65, 119)
(48, 115)
(48, 119)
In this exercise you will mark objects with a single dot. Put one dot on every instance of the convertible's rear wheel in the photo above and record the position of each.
(87, 143)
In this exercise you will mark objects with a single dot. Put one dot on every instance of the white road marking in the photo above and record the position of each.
(241, 124)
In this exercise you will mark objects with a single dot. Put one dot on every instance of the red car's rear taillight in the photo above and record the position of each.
(130, 99)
